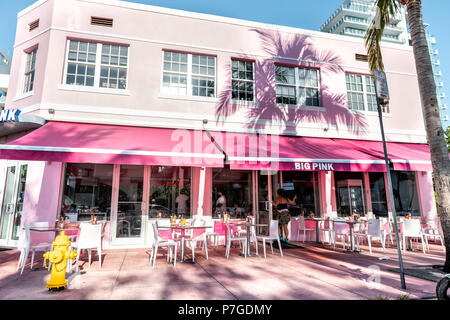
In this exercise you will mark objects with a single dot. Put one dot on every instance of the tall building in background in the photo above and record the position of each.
(434, 52)
(354, 17)
(5, 65)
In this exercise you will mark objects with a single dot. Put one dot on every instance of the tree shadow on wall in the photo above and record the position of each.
(292, 49)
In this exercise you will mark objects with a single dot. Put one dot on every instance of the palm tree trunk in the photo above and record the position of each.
(435, 132)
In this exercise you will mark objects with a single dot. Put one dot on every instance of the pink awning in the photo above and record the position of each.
(404, 156)
(270, 152)
(95, 143)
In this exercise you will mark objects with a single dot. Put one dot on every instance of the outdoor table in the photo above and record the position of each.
(53, 229)
(317, 226)
(352, 235)
(248, 225)
(183, 235)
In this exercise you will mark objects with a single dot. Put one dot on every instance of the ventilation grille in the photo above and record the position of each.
(104, 22)
(34, 25)
(361, 57)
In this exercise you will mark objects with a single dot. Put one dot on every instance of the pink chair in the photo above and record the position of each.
(305, 226)
(198, 235)
(341, 228)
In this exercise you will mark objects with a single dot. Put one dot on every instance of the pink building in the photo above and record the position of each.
(119, 101)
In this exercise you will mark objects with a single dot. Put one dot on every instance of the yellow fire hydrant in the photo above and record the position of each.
(59, 257)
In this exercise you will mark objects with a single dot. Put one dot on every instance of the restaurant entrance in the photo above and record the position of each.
(129, 205)
(14, 177)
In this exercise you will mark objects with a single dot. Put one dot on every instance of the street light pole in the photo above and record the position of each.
(394, 214)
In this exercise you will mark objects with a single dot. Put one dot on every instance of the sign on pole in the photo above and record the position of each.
(381, 85)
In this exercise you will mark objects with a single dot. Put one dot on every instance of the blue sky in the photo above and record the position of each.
(304, 14)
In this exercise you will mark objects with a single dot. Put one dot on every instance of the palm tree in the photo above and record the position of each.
(436, 138)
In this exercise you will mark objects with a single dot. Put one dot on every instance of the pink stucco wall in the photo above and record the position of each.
(158, 30)
(41, 197)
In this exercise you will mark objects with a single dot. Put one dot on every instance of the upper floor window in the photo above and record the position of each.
(361, 93)
(297, 86)
(93, 64)
(242, 80)
(189, 74)
(29, 71)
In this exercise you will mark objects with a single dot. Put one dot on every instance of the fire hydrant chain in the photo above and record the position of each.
(59, 257)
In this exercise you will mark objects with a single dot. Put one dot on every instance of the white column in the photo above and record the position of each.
(201, 192)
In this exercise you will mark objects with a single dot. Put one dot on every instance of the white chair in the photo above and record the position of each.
(340, 228)
(90, 237)
(432, 230)
(161, 242)
(326, 227)
(273, 235)
(302, 227)
(388, 226)
(198, 235)
(231, 238)
(374, 230)
(27, 246)
(214, 233)
(413, 229)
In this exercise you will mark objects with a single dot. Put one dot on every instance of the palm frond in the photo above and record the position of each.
(385, 10)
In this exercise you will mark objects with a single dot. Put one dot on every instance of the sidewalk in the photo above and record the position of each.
(314, 272)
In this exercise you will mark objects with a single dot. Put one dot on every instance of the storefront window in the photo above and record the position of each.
(170, 192)
(232, 192)
(378, 194)
(404, 188)
(303, 186)
(350, 193)
(87, 191)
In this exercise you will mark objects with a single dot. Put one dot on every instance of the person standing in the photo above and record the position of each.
(284, 217)
(221, 203)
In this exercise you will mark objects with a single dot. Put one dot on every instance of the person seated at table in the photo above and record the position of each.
(237, 211)
(284, 217)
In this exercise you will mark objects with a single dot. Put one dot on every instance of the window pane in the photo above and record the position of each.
(170, 192)
(87, 191)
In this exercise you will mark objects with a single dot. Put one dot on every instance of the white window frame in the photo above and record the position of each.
(365, 94)
(26, 84)
(98, 57)
(189, 76)
(297, 87)
(237, 101)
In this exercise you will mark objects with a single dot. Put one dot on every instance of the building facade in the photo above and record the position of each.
(354, 17)
(152, 112)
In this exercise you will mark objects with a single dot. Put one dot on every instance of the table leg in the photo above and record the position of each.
(317, 232)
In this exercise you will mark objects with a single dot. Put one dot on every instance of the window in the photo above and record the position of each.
(170, 192)
(29, 71)
(406, 197)
(297, 86)
(189, 74)
(232, 192)
(378, 194)
(361, 93)
(113, 72)
(93, 64)
(242, 80)
(87, 191)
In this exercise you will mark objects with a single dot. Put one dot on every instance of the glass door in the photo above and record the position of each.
(12, 203)
(350, 198)
(7, 204)
(130, 205)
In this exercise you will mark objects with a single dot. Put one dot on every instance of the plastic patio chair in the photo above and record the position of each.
(273, 235)
(27, 246)
(302, 227)
(341, 228)
(412, 228)
(374, 230)
(162, 239)
(90, 237)
(231, 238)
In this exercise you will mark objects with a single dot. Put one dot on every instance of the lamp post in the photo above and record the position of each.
(382, 93)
